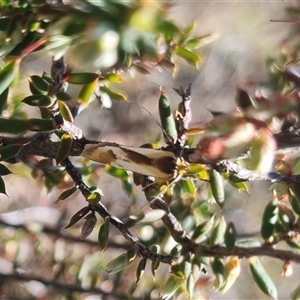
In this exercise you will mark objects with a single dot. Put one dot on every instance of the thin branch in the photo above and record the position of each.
(58, 233)
(265, 250)
(249, 175)
(71, 288)
(117, 223)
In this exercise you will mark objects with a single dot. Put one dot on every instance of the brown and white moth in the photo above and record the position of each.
(150, 162)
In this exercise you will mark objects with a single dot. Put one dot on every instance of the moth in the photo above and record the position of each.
(161, 164)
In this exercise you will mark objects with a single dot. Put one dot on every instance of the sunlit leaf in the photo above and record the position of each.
(189, 56)
(117, 264)
(81, 78)
(166, 118)
(262, 278)
(140, 270)
(170, 286)
(64, 149)
(65, 111)
(217, 187)
(113, 94)
(217, 235)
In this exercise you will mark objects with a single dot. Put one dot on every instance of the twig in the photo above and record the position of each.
(103, 212)
(265, 250)
(60, 286)
(58, 233)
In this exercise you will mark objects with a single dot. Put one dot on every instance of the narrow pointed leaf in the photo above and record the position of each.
(7, 75)
(86, 92)
(217, 235)
(113, 94)
(39, 83)
(217, 188)
(88, 226)
(4, 170)
(40, 125)
(81, 78)
(117, 264)
(103, 234)
(140, 270)
(166, 118)
(230, 237)
(13, 126)
(64, 149)
(170, 286)
(189, 56)
(2, 187)
(65, 111)
(262, 278)
(78, 216)
(3, 99)
(32, 100)
(10, 151)
(65, 194)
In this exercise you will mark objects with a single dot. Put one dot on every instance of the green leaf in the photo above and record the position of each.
(32, 100)
(2, 187)
(94, 197)
(217, 188)
(140, 270)
(63, 96)
(65, 111)
(217, 235)
(86, 92)
(78, 216)
(7, 75)
(4, 170)
(103, 234)
(189, 187)
(170, 286)
(117, 264)
(10, 151)
(230, 237)
(81, 78)
(3, 99)
(218, 268)
(249, 243)
(64, 148)
(167, 119)
(295, 295)
(262, 278)
(269, 219)
(193, 43)
(40, 125)
(113, 94)
(189, 56)
(113, 78)
(46, 101)
(65, 194)
(39, 83)
(202, 230)
(116, 172)
(13, 126)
